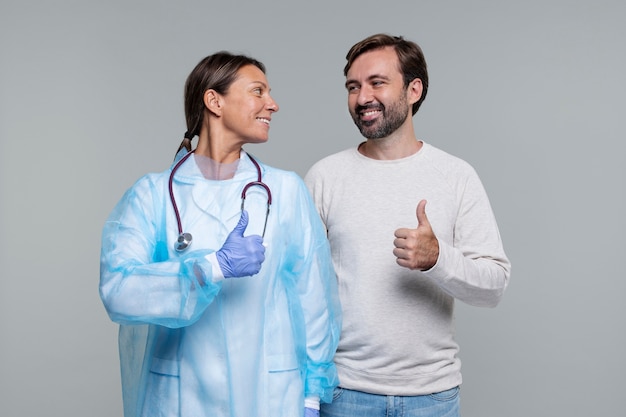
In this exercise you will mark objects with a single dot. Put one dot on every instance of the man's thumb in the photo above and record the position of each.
(422, 220)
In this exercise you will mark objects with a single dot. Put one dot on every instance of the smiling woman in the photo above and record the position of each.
(245, 319)
(247, 110)
(229, 107)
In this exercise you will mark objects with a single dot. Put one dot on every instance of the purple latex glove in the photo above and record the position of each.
(241, 256)
(310, 412)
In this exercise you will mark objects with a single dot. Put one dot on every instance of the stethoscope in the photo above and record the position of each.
(184, 239)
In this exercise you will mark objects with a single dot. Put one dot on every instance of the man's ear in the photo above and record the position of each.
(415, 90)
(213, 102)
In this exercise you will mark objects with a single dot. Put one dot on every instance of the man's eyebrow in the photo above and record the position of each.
(370, 78)
(377, 76)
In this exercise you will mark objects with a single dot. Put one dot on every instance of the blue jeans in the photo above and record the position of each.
(347, 403)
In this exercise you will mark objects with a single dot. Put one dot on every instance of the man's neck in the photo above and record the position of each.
(391, 147)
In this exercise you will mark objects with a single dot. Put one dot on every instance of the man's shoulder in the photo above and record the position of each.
(443, 158)
(338, 156)
(333, 161)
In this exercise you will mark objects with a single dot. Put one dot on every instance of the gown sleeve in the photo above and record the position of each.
(139, 282)
(316, 285)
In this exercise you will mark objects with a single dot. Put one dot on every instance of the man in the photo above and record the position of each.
(411, 230)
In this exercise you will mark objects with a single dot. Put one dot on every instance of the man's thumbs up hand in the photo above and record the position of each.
(417, 248)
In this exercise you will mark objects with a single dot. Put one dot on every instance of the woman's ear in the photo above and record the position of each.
(213, 102)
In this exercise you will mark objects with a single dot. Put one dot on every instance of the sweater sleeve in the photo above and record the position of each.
(473, 267)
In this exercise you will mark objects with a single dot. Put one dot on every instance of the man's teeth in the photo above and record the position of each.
(371, 112)
(267, 121)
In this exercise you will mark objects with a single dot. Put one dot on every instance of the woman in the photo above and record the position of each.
(242, 319)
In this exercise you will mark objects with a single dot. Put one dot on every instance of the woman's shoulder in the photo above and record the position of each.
(149, 184)
(282, 175)
(153, 178)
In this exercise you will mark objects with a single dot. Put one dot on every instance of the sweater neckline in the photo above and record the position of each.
(416, 155)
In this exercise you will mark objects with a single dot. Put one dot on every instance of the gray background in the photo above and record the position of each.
(529, 92)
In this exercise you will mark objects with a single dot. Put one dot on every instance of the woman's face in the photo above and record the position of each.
(247, 107)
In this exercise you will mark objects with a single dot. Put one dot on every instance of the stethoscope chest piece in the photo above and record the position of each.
(183, 242)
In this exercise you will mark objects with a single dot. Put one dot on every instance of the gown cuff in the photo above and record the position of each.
(312, 402)
(217, 274)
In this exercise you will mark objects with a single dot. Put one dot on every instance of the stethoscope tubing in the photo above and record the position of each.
(184, 239)
(171, 191)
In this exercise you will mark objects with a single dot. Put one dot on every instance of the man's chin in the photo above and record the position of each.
(367, 130)
(370, 133)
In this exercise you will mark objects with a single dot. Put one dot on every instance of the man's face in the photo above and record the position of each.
(377, 98)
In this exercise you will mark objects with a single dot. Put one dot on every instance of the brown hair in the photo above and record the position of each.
(410, 57)
(216, 72)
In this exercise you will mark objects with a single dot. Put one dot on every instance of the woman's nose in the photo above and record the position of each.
(272, 105)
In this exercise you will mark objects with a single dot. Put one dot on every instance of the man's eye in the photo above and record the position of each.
(352, 88)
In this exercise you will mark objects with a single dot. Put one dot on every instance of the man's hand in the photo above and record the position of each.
(417, 248)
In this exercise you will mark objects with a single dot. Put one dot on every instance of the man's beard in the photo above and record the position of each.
(391, 119)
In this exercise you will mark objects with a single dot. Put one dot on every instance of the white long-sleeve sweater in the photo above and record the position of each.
(397, 336)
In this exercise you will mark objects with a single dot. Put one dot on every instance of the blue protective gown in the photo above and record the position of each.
(194, 345)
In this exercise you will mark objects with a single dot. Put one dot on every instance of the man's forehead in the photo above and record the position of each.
(378, 62)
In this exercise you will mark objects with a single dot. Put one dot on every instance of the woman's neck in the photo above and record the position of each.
(219, 150)
(214, 170)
